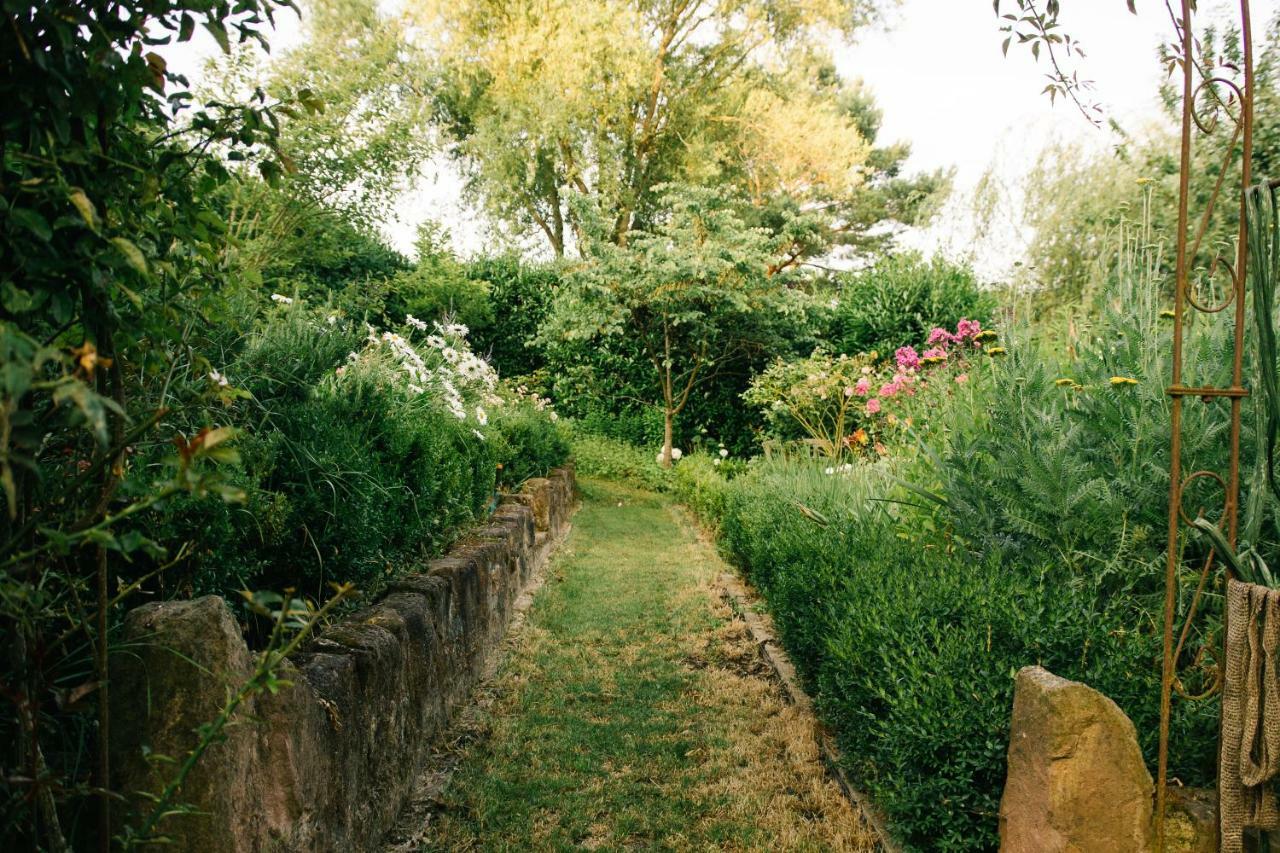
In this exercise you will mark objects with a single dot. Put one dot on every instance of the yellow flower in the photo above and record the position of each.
(996, 351)
(1117, 381)
(1167, 314)
(985, 335)
(1142, 182)
(1063, 382)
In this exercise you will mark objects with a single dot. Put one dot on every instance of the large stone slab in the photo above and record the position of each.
(1077, 781)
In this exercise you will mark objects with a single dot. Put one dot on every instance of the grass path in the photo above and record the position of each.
(634, 712)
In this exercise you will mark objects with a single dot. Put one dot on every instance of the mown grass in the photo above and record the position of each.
(634, 714)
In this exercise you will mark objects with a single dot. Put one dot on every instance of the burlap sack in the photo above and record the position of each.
(1250, 757)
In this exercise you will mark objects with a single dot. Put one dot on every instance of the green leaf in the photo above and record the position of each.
(32, 221)
(131, 253)
(219, 33)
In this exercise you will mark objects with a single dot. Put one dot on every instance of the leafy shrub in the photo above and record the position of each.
(911, 645)
(520, 294)
(609, 459)
(529, 443)
(362, 452)
(699, 482)
(321, 253)
(439, 287)
(632, 424)
(896, 302)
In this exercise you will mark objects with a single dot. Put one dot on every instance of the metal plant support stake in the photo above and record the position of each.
(1198, 83)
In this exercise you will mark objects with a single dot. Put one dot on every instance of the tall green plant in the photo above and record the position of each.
(109, 242)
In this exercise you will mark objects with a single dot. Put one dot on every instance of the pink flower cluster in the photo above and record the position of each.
(908, 358)
(910, 362)
(939, 339)
(966, 331)
(902, 381)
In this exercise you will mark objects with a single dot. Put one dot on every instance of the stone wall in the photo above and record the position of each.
(327, 762)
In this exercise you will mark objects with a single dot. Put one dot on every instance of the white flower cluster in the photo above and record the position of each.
(458, 374)
(542, 404)
(676, 454)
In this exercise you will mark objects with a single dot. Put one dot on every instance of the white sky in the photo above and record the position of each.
(944, 86)
(939, 76)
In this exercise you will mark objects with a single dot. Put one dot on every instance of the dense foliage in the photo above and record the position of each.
(1021, 524)
(899, 300)
(689, 294)
(216, 376)
(190, 400)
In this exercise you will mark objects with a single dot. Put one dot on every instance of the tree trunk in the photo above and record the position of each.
(668, 422)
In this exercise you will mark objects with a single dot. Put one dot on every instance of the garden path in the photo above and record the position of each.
(634, 712)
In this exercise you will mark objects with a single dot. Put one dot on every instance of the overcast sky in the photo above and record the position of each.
(940, 78)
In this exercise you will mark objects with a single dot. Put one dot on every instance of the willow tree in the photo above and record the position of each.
(608, 99)
(354, 152)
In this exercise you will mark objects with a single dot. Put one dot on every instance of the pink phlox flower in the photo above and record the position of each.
(908, 358)
(967, 328)
(873, 406)
(863, 387)
(962, 378)
(888, 389)
(939, 335)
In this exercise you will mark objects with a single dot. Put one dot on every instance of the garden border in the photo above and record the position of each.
(741, 598)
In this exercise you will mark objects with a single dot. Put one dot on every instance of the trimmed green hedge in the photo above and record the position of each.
(910, 645)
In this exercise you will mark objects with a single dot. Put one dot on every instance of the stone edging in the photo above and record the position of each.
(412, 829)
(760, 626)
(327, 762)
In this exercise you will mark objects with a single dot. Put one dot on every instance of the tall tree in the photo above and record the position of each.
(352, 153)
(544, 99)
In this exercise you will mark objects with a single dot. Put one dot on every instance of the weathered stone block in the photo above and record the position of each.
(1077, 781)
(183, 657)
(1191, 821)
